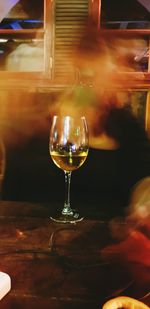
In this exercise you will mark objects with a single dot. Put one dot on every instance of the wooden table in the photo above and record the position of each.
(55, 266)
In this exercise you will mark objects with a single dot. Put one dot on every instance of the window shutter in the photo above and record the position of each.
(70, 17)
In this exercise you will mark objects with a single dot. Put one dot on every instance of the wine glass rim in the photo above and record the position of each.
(68, 116)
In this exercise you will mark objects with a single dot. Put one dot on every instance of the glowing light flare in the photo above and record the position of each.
(66, 128)
(20, 234)
(139, 207)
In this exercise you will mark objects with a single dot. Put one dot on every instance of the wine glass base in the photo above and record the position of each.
(67, 219)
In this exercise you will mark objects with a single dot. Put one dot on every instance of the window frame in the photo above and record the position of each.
(39, 78)
(136, 81)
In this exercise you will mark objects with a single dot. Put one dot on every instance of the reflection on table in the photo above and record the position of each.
(64, 266)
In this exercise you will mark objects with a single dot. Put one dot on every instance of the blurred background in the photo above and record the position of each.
(38, 62)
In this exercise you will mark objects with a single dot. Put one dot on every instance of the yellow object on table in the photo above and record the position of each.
(124, 302)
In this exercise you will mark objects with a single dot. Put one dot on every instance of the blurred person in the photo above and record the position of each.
(138, 212)
(99, 56)
(119, 153)
(132, 235)
(114, 129)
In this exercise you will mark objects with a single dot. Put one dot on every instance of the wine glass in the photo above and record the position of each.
(68, 148)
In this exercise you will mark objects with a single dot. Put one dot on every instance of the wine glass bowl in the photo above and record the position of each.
(68, 148)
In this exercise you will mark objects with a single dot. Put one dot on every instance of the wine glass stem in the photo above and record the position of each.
(67, 209)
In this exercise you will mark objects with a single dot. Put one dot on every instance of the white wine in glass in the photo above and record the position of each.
(68, 148)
